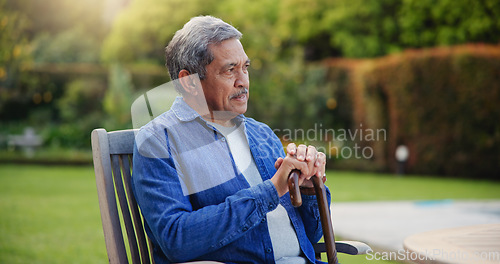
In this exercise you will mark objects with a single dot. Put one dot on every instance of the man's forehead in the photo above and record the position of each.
(229, 51)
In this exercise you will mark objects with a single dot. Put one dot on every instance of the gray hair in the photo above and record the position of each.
(189, 49)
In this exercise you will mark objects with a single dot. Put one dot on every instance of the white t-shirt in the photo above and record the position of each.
(285, 242)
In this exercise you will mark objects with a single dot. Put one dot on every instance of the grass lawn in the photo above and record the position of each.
(50, 214)
(357, 186)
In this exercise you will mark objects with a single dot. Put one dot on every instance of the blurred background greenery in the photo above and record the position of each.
(425, 72)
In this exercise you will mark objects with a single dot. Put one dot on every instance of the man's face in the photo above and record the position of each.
(226, 81)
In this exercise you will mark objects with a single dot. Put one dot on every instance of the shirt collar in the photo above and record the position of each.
(185, 113)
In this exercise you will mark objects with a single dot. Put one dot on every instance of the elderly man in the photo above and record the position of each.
(210, 182)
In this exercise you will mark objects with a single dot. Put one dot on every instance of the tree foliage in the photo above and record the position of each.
(142, 30)
(38, 32)
(283, 38)
(427, 23)
(61, 30)
(65, 47)
(13, 44)
(118, 98)
(348, 28)
(81, 110)
(363, 28)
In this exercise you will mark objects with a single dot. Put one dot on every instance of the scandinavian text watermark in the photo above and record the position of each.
(337, 143)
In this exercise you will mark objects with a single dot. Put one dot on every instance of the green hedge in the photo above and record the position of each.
(443, 103)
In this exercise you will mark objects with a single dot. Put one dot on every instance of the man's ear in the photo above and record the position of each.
(188, 84)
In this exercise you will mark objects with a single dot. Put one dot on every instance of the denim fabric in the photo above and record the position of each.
(197, 205)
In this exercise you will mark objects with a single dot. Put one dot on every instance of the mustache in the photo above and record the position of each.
(242, 91)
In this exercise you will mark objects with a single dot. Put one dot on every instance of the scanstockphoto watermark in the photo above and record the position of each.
(336, 143)
(400, 255)
(435, 254)
(462, 255)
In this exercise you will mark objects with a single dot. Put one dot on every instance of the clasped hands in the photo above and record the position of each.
(304, 158)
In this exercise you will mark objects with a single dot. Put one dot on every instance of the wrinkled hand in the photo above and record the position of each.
(307, 159)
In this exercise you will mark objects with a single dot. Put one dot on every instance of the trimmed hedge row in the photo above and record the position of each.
(442, 103)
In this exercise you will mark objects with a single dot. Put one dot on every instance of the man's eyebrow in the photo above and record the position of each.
(233, 64)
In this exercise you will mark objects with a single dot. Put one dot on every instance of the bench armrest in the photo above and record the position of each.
(346, 247)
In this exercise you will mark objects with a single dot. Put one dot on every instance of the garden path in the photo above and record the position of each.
(384, 225)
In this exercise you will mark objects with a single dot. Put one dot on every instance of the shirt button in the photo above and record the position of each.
(244, 229)
(263, 220)
(223, 139)
(271, 206)
(269, 250)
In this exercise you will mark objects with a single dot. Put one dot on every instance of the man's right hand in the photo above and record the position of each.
(307, 159)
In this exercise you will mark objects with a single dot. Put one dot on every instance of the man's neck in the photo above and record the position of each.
(222, 122)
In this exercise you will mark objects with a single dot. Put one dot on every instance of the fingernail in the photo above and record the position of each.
(316, 164)
(300, 157)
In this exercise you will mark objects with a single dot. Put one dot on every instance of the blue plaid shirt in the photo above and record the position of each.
(197, 205)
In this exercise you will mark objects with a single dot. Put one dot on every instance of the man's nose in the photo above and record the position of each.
(242, 80)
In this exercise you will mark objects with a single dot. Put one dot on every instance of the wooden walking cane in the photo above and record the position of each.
(324, 212)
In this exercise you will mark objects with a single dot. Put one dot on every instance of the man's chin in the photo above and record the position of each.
(241, 110)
